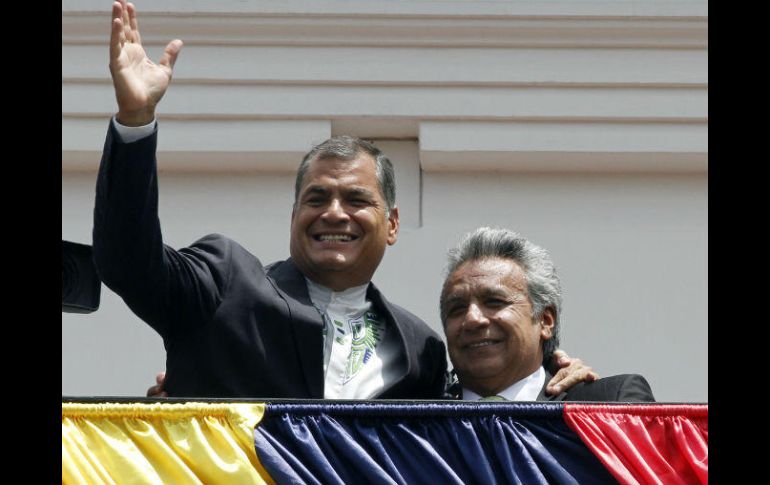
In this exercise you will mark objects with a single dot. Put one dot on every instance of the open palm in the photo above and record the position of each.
(139, 83)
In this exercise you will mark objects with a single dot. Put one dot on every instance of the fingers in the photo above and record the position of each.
(126, 22)
(570, 375)
(133, 23)
(555, 384)
(583, 375)
(157, 389)
(170, 53)
(561, 358)
(117, 37)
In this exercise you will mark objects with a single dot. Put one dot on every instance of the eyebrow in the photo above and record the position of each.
(315, 190)
(453, 298)
(358, 191)
(349, 192)
(495, 291)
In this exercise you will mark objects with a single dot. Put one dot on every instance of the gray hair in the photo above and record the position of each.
(347, 148)
(543, 286)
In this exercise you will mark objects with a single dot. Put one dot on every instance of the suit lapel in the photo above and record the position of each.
(405, 334)
(307, 323)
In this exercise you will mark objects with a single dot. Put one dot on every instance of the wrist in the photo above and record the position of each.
(135, 118)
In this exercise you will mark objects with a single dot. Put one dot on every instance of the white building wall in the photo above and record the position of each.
(582, 125)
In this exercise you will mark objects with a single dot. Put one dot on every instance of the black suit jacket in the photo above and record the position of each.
(231, 326)
(619, 388)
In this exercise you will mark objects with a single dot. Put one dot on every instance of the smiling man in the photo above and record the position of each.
(501, 308)
(312, 326)
(342, 218)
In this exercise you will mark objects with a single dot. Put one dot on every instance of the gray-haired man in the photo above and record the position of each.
(500, 307)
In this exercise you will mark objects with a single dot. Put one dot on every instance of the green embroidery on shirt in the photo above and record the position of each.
(368, 332)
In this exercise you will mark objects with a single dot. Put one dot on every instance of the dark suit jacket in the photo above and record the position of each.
(231, 326)
(619, 388)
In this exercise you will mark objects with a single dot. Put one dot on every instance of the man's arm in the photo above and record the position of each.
(619, 388)
(635, 388)
(161, 285)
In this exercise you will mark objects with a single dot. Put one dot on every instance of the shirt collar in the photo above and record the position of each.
(526, 389)
(346, 301)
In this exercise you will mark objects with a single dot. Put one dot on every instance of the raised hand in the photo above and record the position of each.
(139, 83)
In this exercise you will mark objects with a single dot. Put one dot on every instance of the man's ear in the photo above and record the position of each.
(393, 225)
(547, 321)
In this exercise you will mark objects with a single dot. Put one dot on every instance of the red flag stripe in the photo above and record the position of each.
(641, 444)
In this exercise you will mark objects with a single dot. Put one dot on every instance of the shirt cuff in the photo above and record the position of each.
(130, 134)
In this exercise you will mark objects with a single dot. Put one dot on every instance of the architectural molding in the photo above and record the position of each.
(267, 29)
(258, 82)
(398, 8)
(564, 147)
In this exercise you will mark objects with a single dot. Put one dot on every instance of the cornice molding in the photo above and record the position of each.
(450, 8)
(378, 30)
(633, 73)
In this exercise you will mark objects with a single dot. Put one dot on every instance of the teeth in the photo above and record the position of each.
(481, 344)
(335, 237)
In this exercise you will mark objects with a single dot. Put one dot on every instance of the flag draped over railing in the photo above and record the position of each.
(384, 442)
(169, 443)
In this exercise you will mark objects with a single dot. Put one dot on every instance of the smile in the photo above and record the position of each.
(481, 344)
(334, 237)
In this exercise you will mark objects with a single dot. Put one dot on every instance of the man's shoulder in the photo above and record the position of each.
(216, 241)
(214, 244)
(617, 388)
(221, 250)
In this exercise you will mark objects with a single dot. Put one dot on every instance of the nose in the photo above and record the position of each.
(475, 317)
(335, 212)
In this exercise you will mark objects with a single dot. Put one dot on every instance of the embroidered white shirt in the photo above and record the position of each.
(526, 389)
(360, 351)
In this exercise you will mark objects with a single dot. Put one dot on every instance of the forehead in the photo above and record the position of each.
(360, 171)
(488, 274)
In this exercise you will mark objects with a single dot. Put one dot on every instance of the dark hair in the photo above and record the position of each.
(347, 148)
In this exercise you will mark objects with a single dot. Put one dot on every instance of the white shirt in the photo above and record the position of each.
(360, 351)
(526, 389)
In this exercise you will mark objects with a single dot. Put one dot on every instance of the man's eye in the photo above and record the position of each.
(496, 303)
(456, 310)
(314, 201)
(359, 202)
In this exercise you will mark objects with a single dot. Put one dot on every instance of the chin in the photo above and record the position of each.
(332, 264)
(482, 370)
